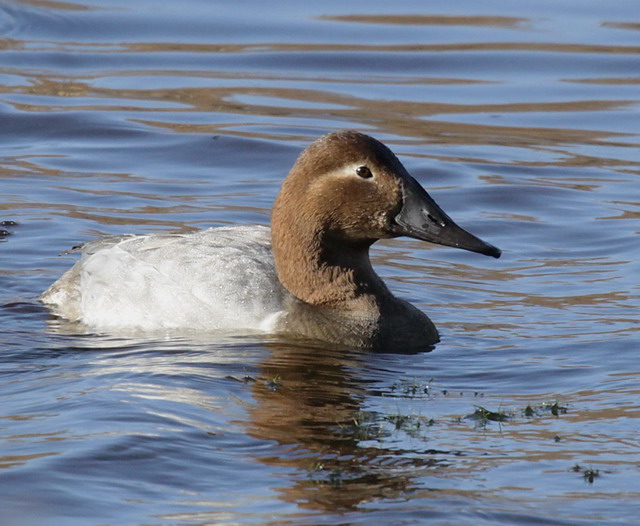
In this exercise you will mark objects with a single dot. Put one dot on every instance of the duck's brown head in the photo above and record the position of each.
(348, 189)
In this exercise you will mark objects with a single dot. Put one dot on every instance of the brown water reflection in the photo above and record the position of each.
(397, 117)
(53, 4)
(430, 20)
(309, 400)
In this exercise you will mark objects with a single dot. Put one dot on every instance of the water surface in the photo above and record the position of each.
(522, 121)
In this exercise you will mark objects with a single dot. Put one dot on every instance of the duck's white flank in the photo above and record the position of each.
(215, 279)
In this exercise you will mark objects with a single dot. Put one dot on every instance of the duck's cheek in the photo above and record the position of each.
(377, 226)
(382, 224)
(362, 231)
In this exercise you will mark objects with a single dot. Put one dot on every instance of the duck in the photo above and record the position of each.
(308, 275)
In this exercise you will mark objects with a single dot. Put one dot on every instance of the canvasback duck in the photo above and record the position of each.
(309, 275)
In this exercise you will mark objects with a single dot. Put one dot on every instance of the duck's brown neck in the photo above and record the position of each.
(323, 270)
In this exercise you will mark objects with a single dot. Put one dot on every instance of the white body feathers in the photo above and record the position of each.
(215, 279)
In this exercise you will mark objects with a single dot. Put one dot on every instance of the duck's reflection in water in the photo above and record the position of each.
(310, 400)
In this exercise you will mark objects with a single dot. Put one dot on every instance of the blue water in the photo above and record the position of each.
(521, 120)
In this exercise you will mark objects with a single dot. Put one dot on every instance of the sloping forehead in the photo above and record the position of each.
(337, 149)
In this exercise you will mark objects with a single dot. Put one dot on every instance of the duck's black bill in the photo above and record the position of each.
(421, 218)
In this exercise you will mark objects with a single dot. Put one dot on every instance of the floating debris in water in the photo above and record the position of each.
(589, 474)
(3, 231)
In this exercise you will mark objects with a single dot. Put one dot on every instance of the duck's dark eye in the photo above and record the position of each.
(364, 172)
